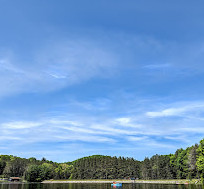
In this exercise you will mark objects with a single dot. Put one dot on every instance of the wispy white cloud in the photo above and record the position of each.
(100, 129)
(20, 125)
(95, 104)
(159, 145)
(72, 61)
(158, 66)
(85, 138)
(64, 122)
(134, 138)
(181, 138)
(58, 76)
(56, 66)
(5, 65)
(109, 129)
(167, 112)
(178, 111)
(113, 130)
(141, 131)
(127, 122)
(12, 138)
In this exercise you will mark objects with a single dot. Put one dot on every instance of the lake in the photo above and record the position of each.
(96, 186)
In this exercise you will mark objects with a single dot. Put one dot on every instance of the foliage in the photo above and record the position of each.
(185, 163)
(33, 173)
(105, 167)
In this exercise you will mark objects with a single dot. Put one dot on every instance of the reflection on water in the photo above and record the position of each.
(97, 186)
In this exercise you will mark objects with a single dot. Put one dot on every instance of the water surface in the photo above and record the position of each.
(96, 186)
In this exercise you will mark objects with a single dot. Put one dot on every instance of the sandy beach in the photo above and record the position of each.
(121, 181)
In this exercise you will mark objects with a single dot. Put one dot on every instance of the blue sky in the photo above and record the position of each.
(119, 78)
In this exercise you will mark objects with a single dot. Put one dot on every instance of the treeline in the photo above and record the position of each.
(185, 163)
(105, 167)
(33, 170)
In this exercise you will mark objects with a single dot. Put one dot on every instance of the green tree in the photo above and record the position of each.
(192, 156)
(33, 173)
(63, 171)
(200, 158)
(2, 166)
(146, 169)
(15, 167)
(46, 171)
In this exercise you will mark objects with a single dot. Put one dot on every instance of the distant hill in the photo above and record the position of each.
(184, 163)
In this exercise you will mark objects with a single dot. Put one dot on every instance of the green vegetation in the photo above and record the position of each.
(105, 167)
(184, 164)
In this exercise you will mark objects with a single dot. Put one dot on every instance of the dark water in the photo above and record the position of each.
(97, 186)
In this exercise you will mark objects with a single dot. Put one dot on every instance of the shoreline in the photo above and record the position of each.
(125, 181)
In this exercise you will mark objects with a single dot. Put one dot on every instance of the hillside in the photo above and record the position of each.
(184, 163)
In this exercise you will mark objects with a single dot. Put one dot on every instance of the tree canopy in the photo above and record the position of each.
(184, 163)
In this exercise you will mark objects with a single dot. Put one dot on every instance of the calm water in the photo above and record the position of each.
(97, 186)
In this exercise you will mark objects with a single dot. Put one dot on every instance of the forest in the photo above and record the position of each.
(184, 163)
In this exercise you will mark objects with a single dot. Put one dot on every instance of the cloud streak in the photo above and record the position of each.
(178, 111)
(139, 131)
(56, 66)
(140, 128)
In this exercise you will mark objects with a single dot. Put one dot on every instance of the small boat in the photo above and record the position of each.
(115, 184)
